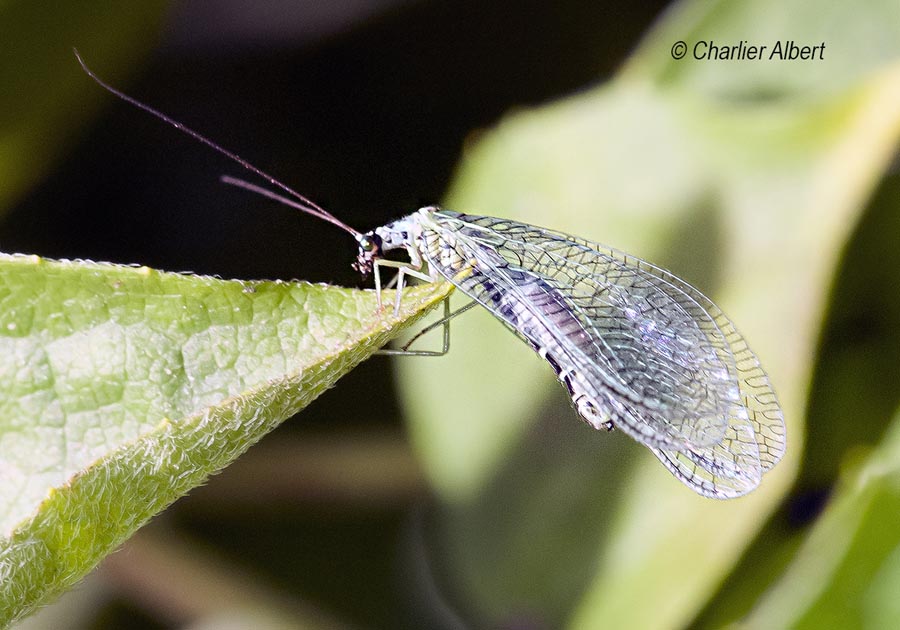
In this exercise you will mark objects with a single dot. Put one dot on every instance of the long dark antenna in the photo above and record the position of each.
(303, 204)
(265, 192)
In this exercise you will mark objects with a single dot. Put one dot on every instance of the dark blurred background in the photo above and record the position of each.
(366, 109)
(367, 116)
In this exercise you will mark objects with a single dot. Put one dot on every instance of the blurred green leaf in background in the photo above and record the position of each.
(745, 177)
(42, 101)
(765, 183)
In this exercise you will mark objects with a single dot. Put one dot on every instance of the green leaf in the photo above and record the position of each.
(124, 387)
(45, 96)
(852, 400)
(847, 573)
(745, 179)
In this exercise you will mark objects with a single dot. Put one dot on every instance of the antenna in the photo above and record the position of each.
(265, 192)
(303, 204)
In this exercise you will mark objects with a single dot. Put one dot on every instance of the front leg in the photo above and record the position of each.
(404, 269)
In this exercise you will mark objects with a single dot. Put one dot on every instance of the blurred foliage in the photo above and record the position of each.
(43, 102)
(123, 388)
(753, 180)
(851, 398)
(846, 573)
(745, 177)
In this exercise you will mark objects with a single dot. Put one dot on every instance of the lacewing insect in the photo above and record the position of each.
(637, 348)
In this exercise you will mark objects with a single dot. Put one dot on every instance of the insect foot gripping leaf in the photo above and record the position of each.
(122, 388)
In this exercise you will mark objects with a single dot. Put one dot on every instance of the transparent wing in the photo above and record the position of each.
(725, 470)
(653, 353)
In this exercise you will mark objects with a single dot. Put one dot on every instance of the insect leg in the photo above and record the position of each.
(376, 270)
(391, 283)
(444, 321)
(377, 273)
(403, 270)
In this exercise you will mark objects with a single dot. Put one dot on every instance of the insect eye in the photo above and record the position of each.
(370, 243)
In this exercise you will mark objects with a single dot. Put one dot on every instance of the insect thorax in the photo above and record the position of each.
(406, 231)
